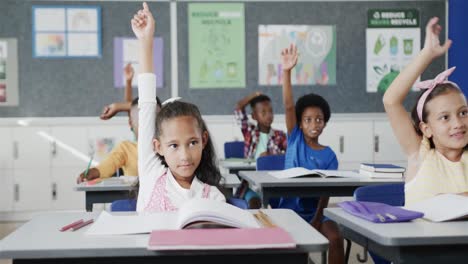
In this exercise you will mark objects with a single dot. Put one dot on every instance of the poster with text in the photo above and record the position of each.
(9, 72)
(216, 45)
(316, 45)
(126, 51)
(393, 39)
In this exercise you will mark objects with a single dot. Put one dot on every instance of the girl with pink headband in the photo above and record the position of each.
(435, 140)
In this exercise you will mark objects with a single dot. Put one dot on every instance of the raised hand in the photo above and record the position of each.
(289, 57)
(108, 112)
(143, 24)
(129, 72)
(432, 42)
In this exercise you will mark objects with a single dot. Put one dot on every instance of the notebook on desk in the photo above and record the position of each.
(224, 238)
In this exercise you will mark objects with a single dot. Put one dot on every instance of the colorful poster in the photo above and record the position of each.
(66, 31)
(317, 53)
(216, 45)
(126, 51)
(8, 72)
(393, 39)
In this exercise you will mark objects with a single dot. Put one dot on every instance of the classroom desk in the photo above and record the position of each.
(270, 187)
(39, 241)
(419, 241)
(113, 189)
(235, 165)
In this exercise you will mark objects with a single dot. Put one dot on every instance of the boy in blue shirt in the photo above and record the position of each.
(305, 122)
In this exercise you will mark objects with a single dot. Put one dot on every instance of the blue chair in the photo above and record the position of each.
(237, 202)
(391, 194)
(272, 162)
(126, 205)
(234, 149)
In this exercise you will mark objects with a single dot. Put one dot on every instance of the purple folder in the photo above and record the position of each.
(379, 212)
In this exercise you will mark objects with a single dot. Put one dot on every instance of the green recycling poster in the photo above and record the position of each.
(393, 39)
(216, 45)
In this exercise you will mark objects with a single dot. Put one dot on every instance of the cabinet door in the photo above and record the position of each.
(351, 141)
(6, 190)
(64, 197)
(32, 189)
(6, 149)
(69, 147)
(32, 147)
(102, 139)
(386, 146)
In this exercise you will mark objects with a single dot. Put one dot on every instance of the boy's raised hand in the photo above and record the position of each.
(289, 57)
(128, 72)
(432, 42)
(143, 24)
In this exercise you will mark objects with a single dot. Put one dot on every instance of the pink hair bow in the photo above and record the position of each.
(429, 85)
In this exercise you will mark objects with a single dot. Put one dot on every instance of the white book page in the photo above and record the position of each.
(340, 173)
(290, 173)
(108, 224)
(215, 211)
(442, 207)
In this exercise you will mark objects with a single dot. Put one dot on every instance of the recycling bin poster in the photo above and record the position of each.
(393, 38)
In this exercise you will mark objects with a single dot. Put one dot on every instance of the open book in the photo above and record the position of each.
(194, 213)
(300, 172)
(443, 207)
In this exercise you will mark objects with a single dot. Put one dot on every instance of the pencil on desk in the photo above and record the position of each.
(87, 168)
(82, 224)
(267, 219)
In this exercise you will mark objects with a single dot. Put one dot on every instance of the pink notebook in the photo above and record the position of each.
(225, 238)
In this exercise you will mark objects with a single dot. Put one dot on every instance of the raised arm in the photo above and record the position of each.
(246, 100)
(288, 61)
(111, 110)
(143, 26)
(128, 72)
(393, 98)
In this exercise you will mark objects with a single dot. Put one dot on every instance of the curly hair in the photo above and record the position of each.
(312, 100)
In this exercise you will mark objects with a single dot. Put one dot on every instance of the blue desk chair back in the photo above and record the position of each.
(128, 205)
(272, 162)
(234, 149)
(125, 205)
(391, 194)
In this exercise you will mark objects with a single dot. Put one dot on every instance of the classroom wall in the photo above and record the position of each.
(81, 87)
(73, 87)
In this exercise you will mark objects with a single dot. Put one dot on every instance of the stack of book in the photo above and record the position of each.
(381, 171)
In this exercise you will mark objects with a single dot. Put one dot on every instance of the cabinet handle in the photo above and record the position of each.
(341, 144)
(54, 149)
(15, 150)
(54, 191)
(16, 192)
(376, 143)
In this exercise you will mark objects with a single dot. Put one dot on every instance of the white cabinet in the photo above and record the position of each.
(64, 197)
(6, 190)
(32, 147)
(69, 146)
(386, 146)
(32, 189)
(351, 141)
(6, 143)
